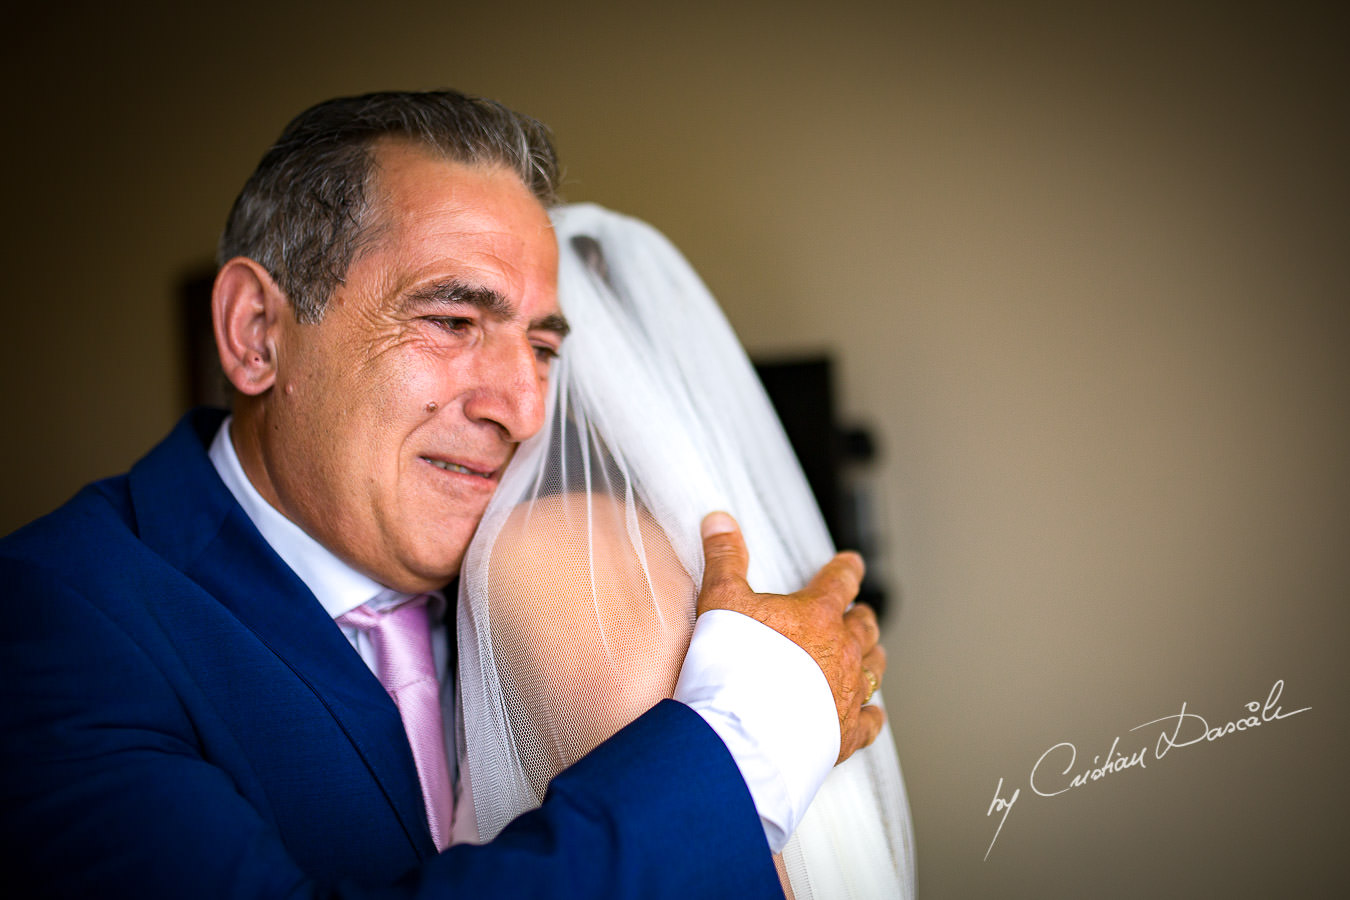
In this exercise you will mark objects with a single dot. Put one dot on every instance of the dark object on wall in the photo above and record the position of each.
(802, 391)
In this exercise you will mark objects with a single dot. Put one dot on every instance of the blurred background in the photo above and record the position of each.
(1082, 271)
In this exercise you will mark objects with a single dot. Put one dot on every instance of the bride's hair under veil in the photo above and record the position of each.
(577, 594)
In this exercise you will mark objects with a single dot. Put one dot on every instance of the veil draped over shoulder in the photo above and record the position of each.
(577, 594)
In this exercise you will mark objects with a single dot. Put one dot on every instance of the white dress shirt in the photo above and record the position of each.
(764, 696)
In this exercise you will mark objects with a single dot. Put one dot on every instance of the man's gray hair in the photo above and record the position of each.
(304, 212)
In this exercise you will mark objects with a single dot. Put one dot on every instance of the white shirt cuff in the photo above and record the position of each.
(770, 704)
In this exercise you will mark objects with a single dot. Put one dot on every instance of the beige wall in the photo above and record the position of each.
(1086, 274)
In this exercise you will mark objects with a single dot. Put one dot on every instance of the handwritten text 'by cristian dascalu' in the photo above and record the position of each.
(1058, 771)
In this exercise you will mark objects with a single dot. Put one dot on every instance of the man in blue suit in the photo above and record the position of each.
(187, 711)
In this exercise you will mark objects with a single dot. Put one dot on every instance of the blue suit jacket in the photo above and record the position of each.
(180, 718)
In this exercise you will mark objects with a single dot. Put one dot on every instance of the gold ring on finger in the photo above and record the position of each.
(872, 684)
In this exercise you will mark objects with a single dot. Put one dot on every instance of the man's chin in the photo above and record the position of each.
(430, 570)
(416, 559)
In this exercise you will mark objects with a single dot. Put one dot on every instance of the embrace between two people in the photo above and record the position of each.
(387, 311)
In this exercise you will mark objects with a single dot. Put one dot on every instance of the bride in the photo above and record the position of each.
(577, 594)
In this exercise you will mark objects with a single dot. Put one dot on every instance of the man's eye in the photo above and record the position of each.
(544, 353)
(451, 323)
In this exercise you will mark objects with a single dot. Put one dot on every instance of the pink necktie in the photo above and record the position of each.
(401, 641)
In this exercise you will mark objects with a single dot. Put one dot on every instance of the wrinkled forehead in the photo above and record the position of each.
(435, 212)
(404, 171)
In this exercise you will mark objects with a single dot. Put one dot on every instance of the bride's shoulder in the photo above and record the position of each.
(578, 526)
(605, 550)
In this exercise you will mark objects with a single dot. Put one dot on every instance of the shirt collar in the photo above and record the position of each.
(338, 587)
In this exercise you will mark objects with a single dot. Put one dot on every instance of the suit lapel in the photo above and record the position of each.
(186, 513)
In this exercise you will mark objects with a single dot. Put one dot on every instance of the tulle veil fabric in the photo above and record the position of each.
(577, 594)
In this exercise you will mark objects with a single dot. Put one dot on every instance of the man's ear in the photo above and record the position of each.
(247, 307)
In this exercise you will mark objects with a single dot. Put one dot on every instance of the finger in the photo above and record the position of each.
(868, 726)
(870, 721)
(725, 559)
(875, 662)
(862, 621)
(838, 581)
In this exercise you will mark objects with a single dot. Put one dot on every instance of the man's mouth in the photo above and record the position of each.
(456, 467)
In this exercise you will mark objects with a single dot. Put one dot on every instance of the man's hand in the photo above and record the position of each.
(842, 641)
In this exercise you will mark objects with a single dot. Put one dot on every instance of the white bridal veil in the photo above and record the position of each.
(577, 593)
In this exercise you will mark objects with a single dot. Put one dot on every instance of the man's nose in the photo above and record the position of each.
(509, 389)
